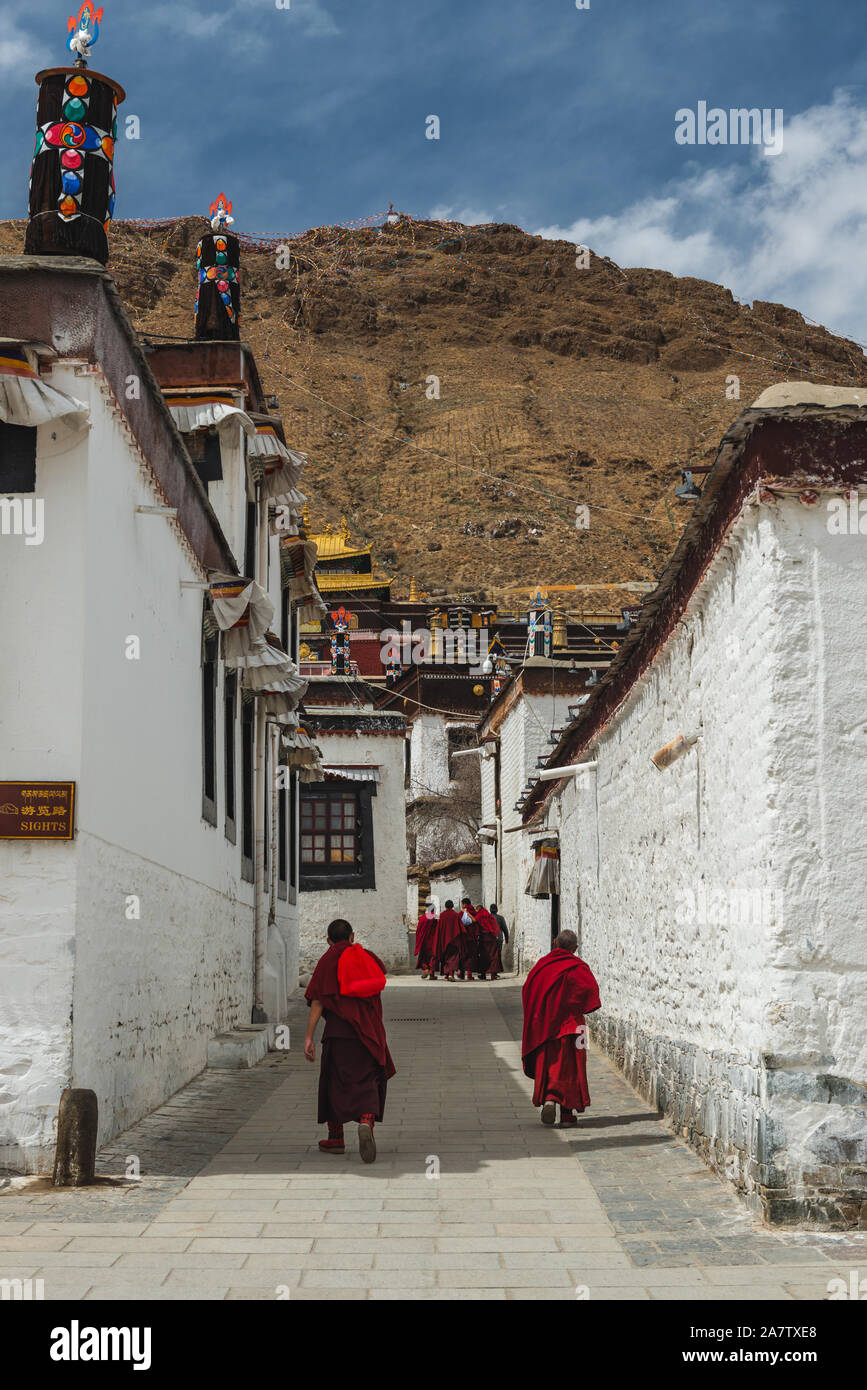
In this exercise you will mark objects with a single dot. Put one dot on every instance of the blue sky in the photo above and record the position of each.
(556, 118)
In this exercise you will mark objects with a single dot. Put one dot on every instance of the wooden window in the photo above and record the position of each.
(230, 715)
(17, 458)
(328, 831)
(337, 837)
(209, 730)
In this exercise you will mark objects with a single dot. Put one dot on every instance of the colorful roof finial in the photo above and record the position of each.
(218, 261)
(219, 213)
(84, 32)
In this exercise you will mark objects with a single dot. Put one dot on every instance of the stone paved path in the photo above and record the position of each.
(235, 1201)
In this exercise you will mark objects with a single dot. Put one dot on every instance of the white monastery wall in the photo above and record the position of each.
(719, 901)
(152, 918)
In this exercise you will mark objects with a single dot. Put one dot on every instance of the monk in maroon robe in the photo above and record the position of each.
(356, 1063)
(449, 939)
(558, 992)
(426, 943)
(469, 941)
(488, 928)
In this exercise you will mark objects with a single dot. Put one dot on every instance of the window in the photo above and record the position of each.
(287, 634)
(328, 830)
(209, 730)
(337, 837)
(293, 835)
(250, 542)
(230, 707)
(247, 739)
(203, 447)
(17, 458)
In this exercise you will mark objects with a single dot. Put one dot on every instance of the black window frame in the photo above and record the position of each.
(230, 753)
(293, 836)
(328, 878)
(248, 761)
(17, 459)
(210, 675)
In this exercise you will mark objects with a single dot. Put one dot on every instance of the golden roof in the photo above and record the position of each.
(334, 545)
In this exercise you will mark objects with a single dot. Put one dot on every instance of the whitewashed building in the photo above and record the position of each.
(127, 944)
(353, 824)
(712, 856)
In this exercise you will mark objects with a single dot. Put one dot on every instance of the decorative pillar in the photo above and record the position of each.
(72, 188)
(218, 259)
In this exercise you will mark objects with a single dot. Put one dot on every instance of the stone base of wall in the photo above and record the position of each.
(725, 1108)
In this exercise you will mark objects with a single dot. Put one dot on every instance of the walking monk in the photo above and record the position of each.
(449, 939)
(356, 1063)
(558, 992)
(426, 942)
(488, 928)
(468, 941)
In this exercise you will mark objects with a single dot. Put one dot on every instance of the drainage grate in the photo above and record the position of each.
(412, 1020)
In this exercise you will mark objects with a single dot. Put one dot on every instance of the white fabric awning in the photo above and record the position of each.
(243, 611)
(545, 874)
(191, 412)
(298, 751)
(352, 774)
(27, 400)
(312, 610)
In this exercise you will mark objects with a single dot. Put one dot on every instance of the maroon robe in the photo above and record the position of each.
(356, 1063)
(468, 946)
(490, 962)
(558, 992)
(425, 941)
(449, 939)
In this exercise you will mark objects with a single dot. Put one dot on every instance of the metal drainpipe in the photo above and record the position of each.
(259, 925)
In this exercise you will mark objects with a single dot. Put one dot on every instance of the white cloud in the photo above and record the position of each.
(469, 216)
(791, 228)
(246, 26)
(19, 56)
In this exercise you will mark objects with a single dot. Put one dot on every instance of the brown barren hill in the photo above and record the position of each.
(460, 391)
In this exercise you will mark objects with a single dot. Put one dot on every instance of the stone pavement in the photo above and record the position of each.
(470, 1196)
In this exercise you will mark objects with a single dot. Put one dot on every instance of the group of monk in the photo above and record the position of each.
(356, 1065)
(460, 944)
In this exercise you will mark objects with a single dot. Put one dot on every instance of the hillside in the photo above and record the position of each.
(558, 386)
